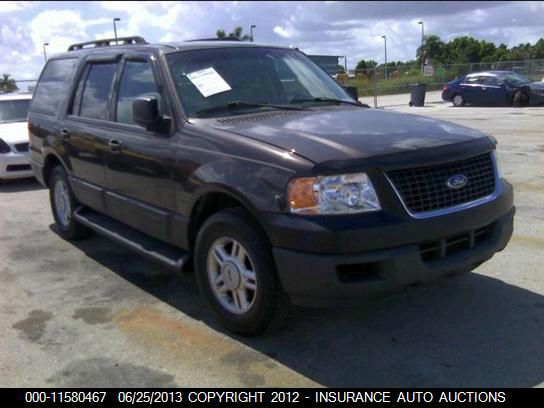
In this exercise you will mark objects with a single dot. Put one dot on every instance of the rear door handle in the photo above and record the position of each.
(64, 134)
(115, 145)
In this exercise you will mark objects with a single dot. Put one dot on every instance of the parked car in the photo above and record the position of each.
(493, 88)
(14, 158)
(279, 195)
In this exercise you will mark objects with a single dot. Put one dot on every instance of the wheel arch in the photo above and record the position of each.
(51, 161)
(212, 199)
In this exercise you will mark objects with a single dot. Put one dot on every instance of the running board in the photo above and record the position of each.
(134, 239)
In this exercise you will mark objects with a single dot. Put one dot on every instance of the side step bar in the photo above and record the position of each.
(134, 239)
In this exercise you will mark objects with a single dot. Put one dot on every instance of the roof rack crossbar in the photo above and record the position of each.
(107, 42)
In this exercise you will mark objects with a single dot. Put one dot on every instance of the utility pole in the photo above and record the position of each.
(115, 28)
(44, 53)
(385, 49)
(251, 31)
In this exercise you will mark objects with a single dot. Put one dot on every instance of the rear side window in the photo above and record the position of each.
(137, 80)
(53, 85)
(95, 91)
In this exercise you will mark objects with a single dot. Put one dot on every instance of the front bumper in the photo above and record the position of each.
(321, 266)
(15, 165)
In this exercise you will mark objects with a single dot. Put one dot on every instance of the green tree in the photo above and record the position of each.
(364, 64)
(7, 84)
(432, 48)
(235, 35)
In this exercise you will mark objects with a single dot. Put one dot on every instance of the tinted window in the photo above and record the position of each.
(491, 81)
(516, 80)
(137, 80)
(14, 111)
(53, 85)
(96, 90)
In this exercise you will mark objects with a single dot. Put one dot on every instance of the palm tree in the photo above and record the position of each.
(235, 35)
(7, 84)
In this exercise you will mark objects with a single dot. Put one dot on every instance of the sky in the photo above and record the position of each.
(353, 29)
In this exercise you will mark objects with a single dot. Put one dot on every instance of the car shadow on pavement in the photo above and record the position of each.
(19, 185)
(468, 331)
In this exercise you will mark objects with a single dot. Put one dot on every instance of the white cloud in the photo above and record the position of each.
(12, 6)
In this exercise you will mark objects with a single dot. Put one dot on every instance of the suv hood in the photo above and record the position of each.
(345, 133)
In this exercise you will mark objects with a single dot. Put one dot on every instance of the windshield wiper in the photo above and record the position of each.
(324, 99)
(243, 104)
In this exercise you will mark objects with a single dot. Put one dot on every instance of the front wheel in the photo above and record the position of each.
(63, 205)
(520, 99)
(236, 275)
(458, 100)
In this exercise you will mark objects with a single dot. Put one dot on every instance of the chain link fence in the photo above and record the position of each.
(21, 86)
(398, 79)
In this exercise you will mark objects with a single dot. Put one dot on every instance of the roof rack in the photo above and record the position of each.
(215, 39)
(108, 42)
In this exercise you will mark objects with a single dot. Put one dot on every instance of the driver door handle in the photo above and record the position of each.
(64, 134)
(115, 145)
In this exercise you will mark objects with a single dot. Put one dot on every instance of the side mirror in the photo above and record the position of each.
(145, 111)
(352, 91)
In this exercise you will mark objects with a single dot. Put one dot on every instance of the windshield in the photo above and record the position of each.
(216, 77)
(515, 80)
(14, 110)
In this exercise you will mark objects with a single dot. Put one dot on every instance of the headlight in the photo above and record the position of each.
(4, 148)
(497, 166)
(342, 194)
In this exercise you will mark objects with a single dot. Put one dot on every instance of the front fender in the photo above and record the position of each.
(259, 186)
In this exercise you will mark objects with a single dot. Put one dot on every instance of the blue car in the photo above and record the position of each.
(493, 88)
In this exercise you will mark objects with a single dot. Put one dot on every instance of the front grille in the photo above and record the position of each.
(424, 189)
(22, 147)
(443, 248)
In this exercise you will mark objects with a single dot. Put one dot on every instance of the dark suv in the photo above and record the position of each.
(256, 165)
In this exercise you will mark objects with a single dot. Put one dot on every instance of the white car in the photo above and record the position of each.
(14, 156)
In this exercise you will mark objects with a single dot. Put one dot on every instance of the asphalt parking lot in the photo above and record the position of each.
(92, 313)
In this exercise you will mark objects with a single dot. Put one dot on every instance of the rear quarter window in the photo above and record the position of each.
(53, 85)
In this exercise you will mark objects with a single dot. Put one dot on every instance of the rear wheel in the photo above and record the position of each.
(458, 100)
(236, 275)
(63, 205)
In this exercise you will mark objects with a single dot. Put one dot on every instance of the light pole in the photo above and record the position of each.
(422, 44)
(44, 53)
(422, 31)
(385, 49)
(251, 31)
(115, 28)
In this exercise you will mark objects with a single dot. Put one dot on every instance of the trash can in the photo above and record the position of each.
(417, 95)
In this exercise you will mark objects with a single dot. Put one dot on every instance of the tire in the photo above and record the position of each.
(520, 99)
(236, 305)
(63, 205)
(458, 100)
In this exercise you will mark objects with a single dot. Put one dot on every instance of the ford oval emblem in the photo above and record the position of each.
(456, 182)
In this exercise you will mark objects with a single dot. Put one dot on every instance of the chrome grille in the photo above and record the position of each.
(22, 147)
(424, 189)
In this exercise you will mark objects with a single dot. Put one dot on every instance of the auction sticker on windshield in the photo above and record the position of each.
(208, 82)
